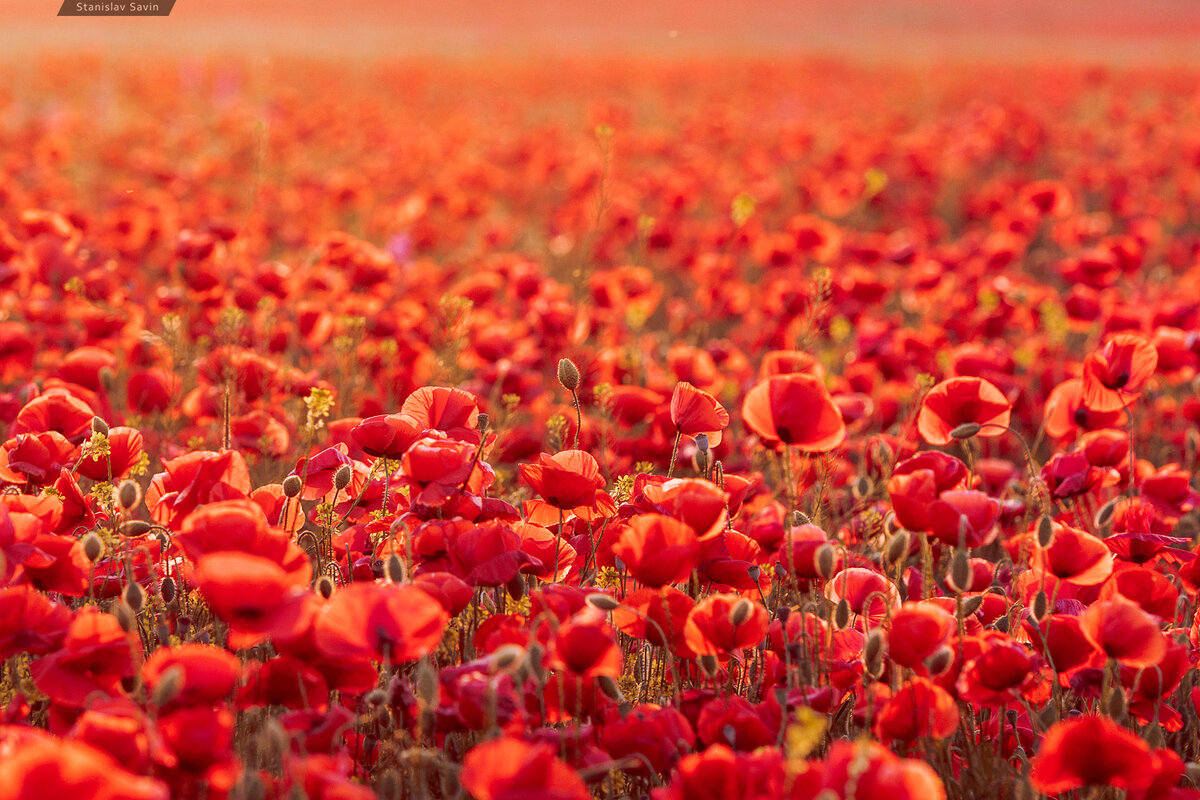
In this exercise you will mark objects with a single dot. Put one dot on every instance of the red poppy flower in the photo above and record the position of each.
(919, 709)
(916, 483)
(1116, 374)
(713, 629)
(194, 479)
(38, 765)
(1091, 751)
(1066, 413)
(997, 671)
(658, 550)
(387, 435)
(95, 655)
(795, 410)
(511, 769)
(964, 514)
(56, 410)
(490, 555)
(383, 622)
(30, 622)
(867, 592)
(959, 401)
(452, 411)
(662, 735)
(1059, 638)
(207, 674)
(585, 647)
(1074, 556)
(241, 526)
(1123, 631)
(256, 596)
(653, 614)
(569, 480)
(694, 412)
(917, 631)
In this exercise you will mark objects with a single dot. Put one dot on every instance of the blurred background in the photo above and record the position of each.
(1107, 31)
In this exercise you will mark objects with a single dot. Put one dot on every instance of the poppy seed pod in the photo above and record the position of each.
(1041, 605)
(939, 661)
(1045, 531)
(708, 665)
(135, 597)
(800, 518)
(740, 612)
(166, 589)
(602, 601)
(702, 442)
(508, 657)
(1117, 705)
(134, 527)
(93, 547)
(292, 486)
(341, 478)
(482, 421)
(897, 547)
(824, 560)
(99, 426)
(1104, 516)
(971, 604)
(395, 570)
(610, 688)
(873, 652)
(965, 430)
(568, 374)
(425, 684)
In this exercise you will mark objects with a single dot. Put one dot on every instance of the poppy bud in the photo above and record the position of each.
(754, 571)
(426, 684)
(702, 442)
(273, 740)
(99, 426)
(292, 486)
(166, 589)
(602, 601)
(516, 587)
(873, 652)
(129, 495)
(325, 586)
(939, 661)
(1193, 772)
(395, 569)
(341, 478)
(135, 597)
(134, 527)
(800, 518)
(375, 697)
(1041, 605)
(1104, 516)
(782, 613)
(960, 572)
(124, 616)
(708, 664)
(841, 616)
(168, 687)
(740, 612)
(507, 657)
(965, 430)
(823, 560)
(388, 785)
(1191, 444)
(971, 604)
(93, 547)
(897, 547)
(568, 374)
(108, 379)
(537, 654)
(610, 688)
(1116, 706)
(481, 422)
(862, 487)
(1045, 531)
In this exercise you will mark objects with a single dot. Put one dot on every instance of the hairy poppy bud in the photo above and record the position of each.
(602, 601)
(93, 547)
(341, 478)
(568, 374)
(134, 527)
(960, 572)
(168, 686)
(800, 518)
(1041, 605)
(124, 616)
(292, 486)
(108, 379)
(897, 547)
(971, 604)
(939, 661)
(740, 612)
(482, 421)
(873, 652)
(99, 426)
(129, 494)
(507, 657)
(862, 487)
(965, 430)
(610, 688)
(426, 684)
(166, 589)
(1045, 531)
(824, 560)
(325, 586)
(708, 665)
(395, 569)
(135, 597)
(1104, 516)
(1117, 705)
(841, 616)
(375, 697)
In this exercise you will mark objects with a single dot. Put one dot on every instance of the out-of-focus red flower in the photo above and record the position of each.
(95, 655)
(569, 480)
(37, 765)
(508, 768)
(256, 596)
(1123, 631)
(917, 631)
(1073, 556)
(695, 411)
(193, 479)
(1066, 413)
(386, 623)
(959, 401)
(387, 435)
(658, 550)
(919, 709)
(713, 627)
(207, 674)
(1091, 751)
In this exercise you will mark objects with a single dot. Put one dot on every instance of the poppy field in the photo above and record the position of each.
(635, 429)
